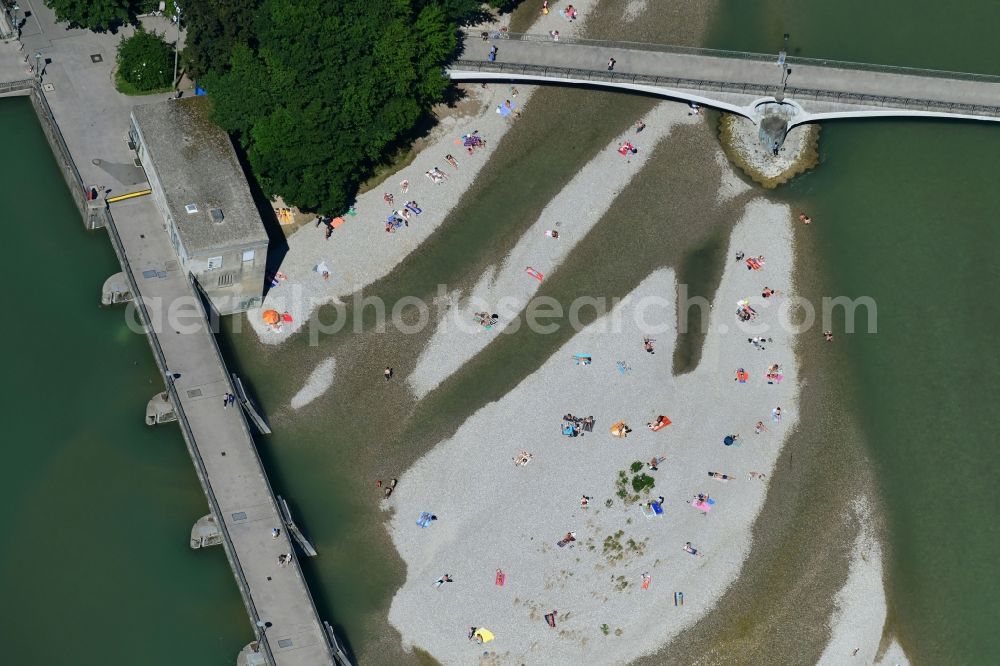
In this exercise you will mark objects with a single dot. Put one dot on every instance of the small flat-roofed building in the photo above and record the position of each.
(201, 191)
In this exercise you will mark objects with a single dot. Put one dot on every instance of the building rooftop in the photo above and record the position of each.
(205, 187)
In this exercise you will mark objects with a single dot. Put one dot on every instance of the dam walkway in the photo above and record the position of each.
(86, 121)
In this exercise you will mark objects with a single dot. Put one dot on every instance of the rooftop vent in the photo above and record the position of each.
(217, 215)
(191, 209)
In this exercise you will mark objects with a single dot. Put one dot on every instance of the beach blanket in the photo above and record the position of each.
(652, 510)
(660, 423)
(646, 580)
(412, 206)
(567, 429)
(501, 578)
(550, 619)
(424, 520)
(703, 506)
(533, 273)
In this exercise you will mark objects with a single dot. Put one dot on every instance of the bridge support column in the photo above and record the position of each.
(116, 290)
(159, 409)
(205, 533)
(773, 129)
(251, 655)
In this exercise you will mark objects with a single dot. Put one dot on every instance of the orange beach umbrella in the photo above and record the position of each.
(271, 317)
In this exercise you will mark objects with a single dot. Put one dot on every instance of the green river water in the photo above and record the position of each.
(97, 507)
(906, 212)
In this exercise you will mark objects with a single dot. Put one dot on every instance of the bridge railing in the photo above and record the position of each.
(600, 75)
(702, 86)
(627, 46)
(745, 55)
(891, 102)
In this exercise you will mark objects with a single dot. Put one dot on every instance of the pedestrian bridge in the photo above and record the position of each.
(753, 85)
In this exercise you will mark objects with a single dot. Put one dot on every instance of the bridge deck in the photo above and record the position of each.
(758, 71)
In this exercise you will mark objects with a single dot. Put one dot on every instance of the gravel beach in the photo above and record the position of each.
(492, 514)
(359, 252)
(572, 214)
(858, 623)
(320, 379)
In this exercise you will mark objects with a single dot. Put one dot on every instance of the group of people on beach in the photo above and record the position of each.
(487, 320)
(574, 426)
(436, 176)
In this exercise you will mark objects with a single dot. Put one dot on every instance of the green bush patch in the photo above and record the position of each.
(642, 482)
(145, 64)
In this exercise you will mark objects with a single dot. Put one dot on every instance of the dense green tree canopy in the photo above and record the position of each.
(322, 89)
(146, 62)
(214, 28)
(100, 15)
